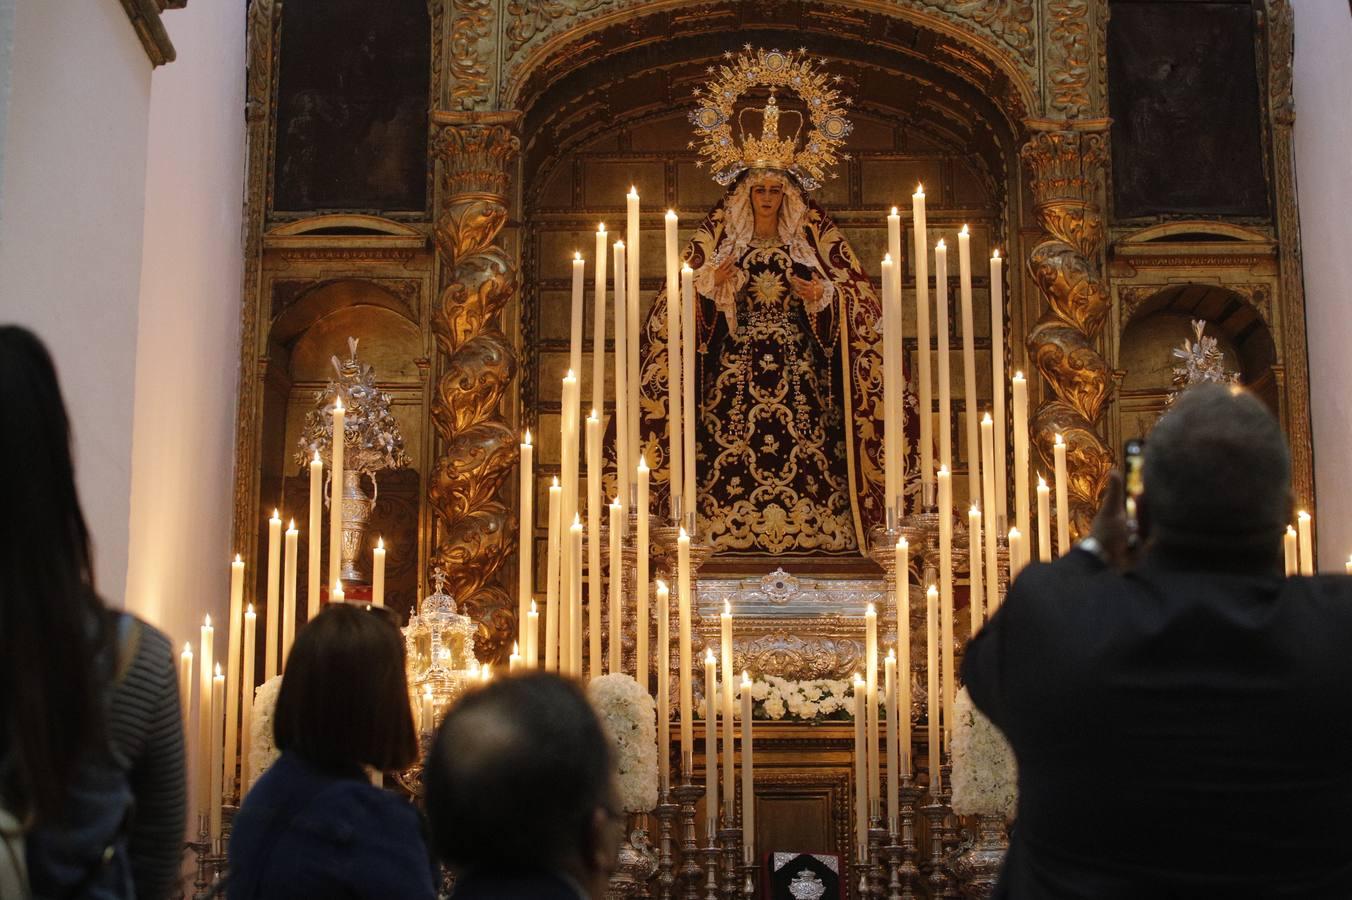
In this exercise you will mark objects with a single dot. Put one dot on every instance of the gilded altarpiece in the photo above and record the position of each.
(542, 114)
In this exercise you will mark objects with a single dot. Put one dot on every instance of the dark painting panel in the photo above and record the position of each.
(352, 105)
(1183, 92)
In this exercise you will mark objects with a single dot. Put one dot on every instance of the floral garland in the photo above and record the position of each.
(629, 717)
(985, 774)
(262, 744)
(779, 698)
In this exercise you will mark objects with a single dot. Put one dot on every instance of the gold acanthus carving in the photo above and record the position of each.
(471, 25)
(478, 448)
(1070, 55)
(1010, 24)
(797, 658)
(1066, 167)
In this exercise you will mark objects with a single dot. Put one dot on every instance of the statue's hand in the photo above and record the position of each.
(810, 291)
(725, 271)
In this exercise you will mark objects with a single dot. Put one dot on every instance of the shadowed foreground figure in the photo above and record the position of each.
(1182, 722)
(521, 794)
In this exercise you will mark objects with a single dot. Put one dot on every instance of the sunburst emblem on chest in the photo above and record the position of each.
(806, 886)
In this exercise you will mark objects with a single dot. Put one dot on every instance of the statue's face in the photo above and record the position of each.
(766, 198)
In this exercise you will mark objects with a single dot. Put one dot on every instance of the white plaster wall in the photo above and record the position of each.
(187, 346)
(73, 186)
(1323, 145)
(6, 48)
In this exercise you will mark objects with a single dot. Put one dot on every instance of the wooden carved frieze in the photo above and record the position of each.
(1066, 169)
(477, 447)
(471, 52)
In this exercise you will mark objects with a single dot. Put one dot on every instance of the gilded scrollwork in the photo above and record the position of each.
(471, 52)
(477, 533)
(1070, 56)
(1065, 167)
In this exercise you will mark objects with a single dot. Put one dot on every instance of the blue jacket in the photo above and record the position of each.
(302, 833)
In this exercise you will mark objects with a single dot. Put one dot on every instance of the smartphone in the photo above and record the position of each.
(1133, 475)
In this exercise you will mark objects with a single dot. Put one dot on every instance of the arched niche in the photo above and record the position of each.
(614, 112)
(1164, 320)
(313, 328)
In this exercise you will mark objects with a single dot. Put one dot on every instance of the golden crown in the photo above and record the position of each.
(730, 155)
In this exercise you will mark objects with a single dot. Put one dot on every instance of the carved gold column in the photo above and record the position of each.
(477, 448)
(1065, 163)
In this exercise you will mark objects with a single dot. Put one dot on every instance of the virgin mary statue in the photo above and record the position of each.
(788, 375)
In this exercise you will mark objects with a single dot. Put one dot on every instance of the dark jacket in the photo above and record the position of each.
(1182, 731)
(302, 833)
(481, 885)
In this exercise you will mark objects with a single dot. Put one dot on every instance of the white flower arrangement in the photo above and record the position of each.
(808, 701)
(629, 717)
(985, 775)
(262, 745)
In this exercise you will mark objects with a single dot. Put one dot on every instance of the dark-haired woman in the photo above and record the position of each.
(91, 737)
(313, 826)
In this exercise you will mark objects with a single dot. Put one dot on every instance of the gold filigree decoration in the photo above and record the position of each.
(1065, 168)
(471, 23)
(788, 655)
(730, 153)
(477, 447)
(1070, 55)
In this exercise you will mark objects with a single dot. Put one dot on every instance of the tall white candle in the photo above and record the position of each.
(575, 534)
(1306, 543)
(616, 587)
(893, 732)
(875, 780)
(232, 669)
(932, 686)
(688, 397)
(526, 537)
(532, 637)
(570, 392)
(664, 684)
(599, 326)
(594, 580)
(631, 271)
(273, 621)
(185, 683)
(922, 328)
(623, 467)
(892, 474)
(894, 370)
(992, 533)
(378, 573)
(642, 575)
(217, 751)
(683, 601)
(336, 594)
(290, 551)
(903, 588)
(725, 648)
(314, 537)
(675, 405)
(861, 777)
(206, 646)
(1044, 521)
(969, 366)
(1017, 554)
(975, 548)
(247, 684)
(1062, 497)
(941, 330)
(553, 545)
(1019, 395)
(514, 661)
(1290, 544)
(338, 439)
(575, 319)
(748, 777)
(998, 387)
(946, 599)
(711, 705)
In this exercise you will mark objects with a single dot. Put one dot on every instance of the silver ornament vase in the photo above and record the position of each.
(636, 862)
(357, 507)
(978, 865)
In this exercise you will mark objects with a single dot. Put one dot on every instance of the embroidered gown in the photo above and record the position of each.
(771, 445)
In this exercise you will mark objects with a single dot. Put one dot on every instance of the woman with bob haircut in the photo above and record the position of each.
(313, 826)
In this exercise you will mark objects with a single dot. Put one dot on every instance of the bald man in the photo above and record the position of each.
(1182, 722)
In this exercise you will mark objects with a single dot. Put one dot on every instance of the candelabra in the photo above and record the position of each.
(730, 841)
(211, 859)
(686, 794)
(665, 812)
